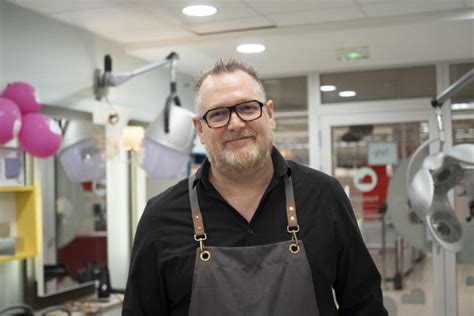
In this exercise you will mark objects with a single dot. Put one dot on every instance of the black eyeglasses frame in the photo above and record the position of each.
(233, 108)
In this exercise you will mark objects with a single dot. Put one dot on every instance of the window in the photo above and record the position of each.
(387, 84)
(290, 102)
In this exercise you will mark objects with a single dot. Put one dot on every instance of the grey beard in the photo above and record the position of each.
(236, 166)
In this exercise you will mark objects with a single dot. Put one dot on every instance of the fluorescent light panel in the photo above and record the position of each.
(327, 88)
(347, 94)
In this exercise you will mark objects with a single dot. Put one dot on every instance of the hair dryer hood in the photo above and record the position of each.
(443, 224)
(429, 189)
(422, 186)
(181, 130)
(81, 156)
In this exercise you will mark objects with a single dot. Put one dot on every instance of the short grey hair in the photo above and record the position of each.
(223, 66)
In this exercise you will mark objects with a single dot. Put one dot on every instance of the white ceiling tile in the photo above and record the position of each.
(267, 7)
(294, 53)
(150, 34)
(57, 6)
(410, 7)
(230, 9)
(161, 28)
(110, 19)
(376, 1)
(319, 16)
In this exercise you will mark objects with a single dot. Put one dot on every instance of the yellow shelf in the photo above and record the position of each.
(17, 189)
(28, 221)
(17, 256)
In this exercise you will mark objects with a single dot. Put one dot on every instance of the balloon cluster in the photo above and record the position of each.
(39, 135)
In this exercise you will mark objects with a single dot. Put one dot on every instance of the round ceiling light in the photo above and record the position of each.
(347, 94)
(199, 10)
(250, 48)
(327, 88)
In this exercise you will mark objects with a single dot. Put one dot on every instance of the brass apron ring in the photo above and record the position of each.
(294, 246)
(205, 255)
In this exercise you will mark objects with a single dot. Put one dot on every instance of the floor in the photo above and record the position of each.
(415, 298)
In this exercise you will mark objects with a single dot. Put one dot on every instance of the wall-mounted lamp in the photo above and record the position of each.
(169, 138)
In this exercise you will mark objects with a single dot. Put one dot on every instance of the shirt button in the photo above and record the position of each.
(250, 231)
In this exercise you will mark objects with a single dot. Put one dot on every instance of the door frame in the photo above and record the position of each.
(322, 118)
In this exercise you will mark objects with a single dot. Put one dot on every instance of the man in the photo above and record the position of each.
(249, 233)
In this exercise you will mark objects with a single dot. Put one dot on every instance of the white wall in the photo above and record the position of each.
(59, 61)
(11, 276)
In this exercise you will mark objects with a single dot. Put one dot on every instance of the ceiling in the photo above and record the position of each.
(301, 36)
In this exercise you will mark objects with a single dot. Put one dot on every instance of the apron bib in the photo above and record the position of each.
(267, 280)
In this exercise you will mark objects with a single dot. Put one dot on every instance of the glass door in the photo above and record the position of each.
(368, 154)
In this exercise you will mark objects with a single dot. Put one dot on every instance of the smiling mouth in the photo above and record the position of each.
(239, 139)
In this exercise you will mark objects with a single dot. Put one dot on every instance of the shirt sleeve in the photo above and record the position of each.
(357, 285)
(145, 291)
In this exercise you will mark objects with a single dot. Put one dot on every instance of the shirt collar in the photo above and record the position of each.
(280, 166)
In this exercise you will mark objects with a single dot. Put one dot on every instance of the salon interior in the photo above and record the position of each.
(377, 93)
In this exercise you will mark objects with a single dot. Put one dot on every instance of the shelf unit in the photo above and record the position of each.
(27, 205)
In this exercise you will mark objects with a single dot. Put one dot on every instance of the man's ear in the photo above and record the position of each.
(270, 113)
(198, 128)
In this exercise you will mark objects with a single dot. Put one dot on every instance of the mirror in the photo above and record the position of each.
(74, 211)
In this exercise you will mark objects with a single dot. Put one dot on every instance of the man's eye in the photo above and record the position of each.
(216, 115)
(246, 108)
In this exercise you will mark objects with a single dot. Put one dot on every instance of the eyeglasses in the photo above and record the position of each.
(247, 111)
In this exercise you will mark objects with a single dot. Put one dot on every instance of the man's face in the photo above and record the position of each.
(239, 146)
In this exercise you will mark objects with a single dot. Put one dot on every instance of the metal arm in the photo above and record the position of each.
(118, 79)
(453, 89)
(437, 102)
(102, 82)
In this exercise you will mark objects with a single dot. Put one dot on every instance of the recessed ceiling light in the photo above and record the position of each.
(250, 48)
(327, 88)
(199, 10)
(347, 94)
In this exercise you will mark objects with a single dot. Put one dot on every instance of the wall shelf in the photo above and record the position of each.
(27, 205)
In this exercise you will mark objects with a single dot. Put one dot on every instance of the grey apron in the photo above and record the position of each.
(268, 280)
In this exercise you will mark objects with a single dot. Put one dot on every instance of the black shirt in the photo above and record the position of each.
(161, 269)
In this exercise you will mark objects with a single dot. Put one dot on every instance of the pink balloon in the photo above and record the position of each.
(40, 136)
(10, 120)
(24, 95)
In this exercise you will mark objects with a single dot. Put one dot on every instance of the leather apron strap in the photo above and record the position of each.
(196, 211)
(198, 223)
(199, 231)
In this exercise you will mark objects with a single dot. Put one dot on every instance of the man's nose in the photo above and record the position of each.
(235, 121)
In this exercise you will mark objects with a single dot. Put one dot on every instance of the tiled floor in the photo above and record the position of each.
(416, 296)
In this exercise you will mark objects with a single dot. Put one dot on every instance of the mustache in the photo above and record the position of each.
(234, 136)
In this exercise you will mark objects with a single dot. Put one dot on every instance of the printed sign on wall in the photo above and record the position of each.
(382, 153)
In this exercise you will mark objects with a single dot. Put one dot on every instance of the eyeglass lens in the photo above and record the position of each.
(247, 111)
